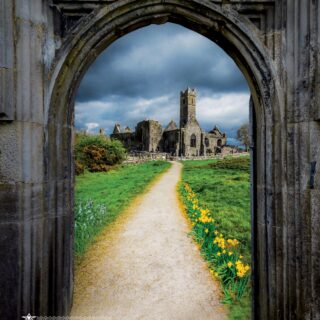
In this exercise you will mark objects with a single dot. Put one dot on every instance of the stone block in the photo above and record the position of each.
(7, 92)
(30, 197)
(21, 152)
(29, 71)
(10, 270)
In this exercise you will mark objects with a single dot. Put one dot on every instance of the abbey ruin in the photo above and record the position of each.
(186, 140)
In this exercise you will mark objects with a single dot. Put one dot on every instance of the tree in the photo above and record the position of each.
(243, 135)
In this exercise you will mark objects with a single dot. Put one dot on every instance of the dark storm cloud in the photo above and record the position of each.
(153, 60)
(141, 75)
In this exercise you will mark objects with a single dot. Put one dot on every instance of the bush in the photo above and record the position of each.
(97, 153)
(79, 167)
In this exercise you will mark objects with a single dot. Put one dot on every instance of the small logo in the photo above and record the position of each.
(29, 317)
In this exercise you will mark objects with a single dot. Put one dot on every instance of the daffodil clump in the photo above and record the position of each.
(223, 255)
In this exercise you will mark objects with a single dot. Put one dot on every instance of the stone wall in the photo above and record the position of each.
(191, 128)
(212, 143)
(155, 138)
(171, 141)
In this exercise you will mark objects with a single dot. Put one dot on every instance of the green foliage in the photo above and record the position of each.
(97, 153)
(102, 196)
(223, 186)
(79, 167)
(89, 218)
(238, 164)
(226, 193)
(222, 254)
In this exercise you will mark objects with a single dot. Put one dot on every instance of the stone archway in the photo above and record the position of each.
(233, 35)
(36, 163)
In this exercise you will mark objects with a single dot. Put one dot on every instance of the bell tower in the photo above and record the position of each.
(187, 106)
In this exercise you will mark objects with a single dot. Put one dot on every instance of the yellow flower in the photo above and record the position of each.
(230, 264)
(241, 269)
(219, 254)
(216, 232)
(230, 253)
(233, 242)
(206, 230)
(224, 251)
(220, 242)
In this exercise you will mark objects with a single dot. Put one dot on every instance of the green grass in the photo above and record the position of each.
(101, 197)
(223, 186)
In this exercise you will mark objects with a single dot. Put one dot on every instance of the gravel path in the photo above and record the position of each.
(146, 267)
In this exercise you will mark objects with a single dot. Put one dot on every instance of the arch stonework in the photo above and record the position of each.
(48, 48)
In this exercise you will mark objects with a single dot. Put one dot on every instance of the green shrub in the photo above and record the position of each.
(97, 153)
(79, 167)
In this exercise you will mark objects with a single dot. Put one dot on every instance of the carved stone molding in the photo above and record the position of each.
(260, 13)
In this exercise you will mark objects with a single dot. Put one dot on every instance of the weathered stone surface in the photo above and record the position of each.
(6, 61)
(46, 48)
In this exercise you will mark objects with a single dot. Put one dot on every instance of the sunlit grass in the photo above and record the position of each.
(101, 197)
(223, 187)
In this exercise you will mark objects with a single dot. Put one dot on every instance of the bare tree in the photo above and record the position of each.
(243, 135)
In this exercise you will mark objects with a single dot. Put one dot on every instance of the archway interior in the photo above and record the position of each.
(94, 35)
(134, 88)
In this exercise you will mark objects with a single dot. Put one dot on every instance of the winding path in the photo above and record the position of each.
(146, 267)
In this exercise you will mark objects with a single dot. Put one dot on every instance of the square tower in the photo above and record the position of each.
(187, 107)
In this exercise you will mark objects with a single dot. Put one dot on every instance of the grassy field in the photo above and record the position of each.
(222, 186)
(101, 197)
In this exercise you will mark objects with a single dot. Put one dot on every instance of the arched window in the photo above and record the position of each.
(193, 141)
(206, 142)
(219, 143)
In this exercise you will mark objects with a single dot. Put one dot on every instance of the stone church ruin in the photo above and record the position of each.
(186, 140)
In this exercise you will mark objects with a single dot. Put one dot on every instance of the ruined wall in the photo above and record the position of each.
(210, 142)
(149, 135)
(127, 138)
(191, 128)
(171, 142)
(155, 136)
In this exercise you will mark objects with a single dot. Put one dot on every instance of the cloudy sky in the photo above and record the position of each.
(140, 76)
